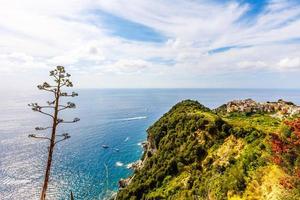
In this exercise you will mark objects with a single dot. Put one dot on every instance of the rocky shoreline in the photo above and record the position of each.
(135, 166)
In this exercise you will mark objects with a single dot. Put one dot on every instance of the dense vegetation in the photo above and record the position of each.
(195, 153)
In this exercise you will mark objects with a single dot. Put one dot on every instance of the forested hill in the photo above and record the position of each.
(193, 152)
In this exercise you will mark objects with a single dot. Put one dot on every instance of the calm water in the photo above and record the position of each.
(117, 118)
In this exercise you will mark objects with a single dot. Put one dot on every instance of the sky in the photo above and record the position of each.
(152, 44)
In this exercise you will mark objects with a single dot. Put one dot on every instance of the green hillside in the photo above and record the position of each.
(193, 152)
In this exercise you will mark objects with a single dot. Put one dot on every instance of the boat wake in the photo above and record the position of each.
(132, 118)
(119, 164)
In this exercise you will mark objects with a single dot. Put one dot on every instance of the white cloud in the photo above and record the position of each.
(126, 66)
(39, 34)
(252, 64)
(19, 62)
(289, 63)
(89, 53)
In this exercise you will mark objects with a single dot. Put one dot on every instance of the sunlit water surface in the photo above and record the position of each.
(117, 118)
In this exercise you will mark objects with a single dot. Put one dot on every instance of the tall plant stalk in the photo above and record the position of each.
(61, 79)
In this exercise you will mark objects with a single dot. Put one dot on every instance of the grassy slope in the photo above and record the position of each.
(201, 155)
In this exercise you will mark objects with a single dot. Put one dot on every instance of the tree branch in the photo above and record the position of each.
(44, 113)
(64, 107)
(47, 87)
(69, 105)
(49, 90)
(61, 121)
(65, 135)
(67, 83)
(42, 128)
(64, 94)
(41, 107)
(54, 74)
(50, 102)
(37, 108)
(47, 107)
(38, 137)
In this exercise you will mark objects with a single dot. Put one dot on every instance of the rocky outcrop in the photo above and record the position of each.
(124, 182)
(135, 165)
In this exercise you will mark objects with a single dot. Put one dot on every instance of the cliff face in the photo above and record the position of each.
(195, 153)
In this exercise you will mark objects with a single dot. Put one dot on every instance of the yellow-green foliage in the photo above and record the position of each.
(264, 183)
(262, 122)
(173, 187)
(230, 149)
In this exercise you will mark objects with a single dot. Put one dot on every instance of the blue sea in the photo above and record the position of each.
(114, 117)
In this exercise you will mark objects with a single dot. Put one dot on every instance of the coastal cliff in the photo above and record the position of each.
(231, 152)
